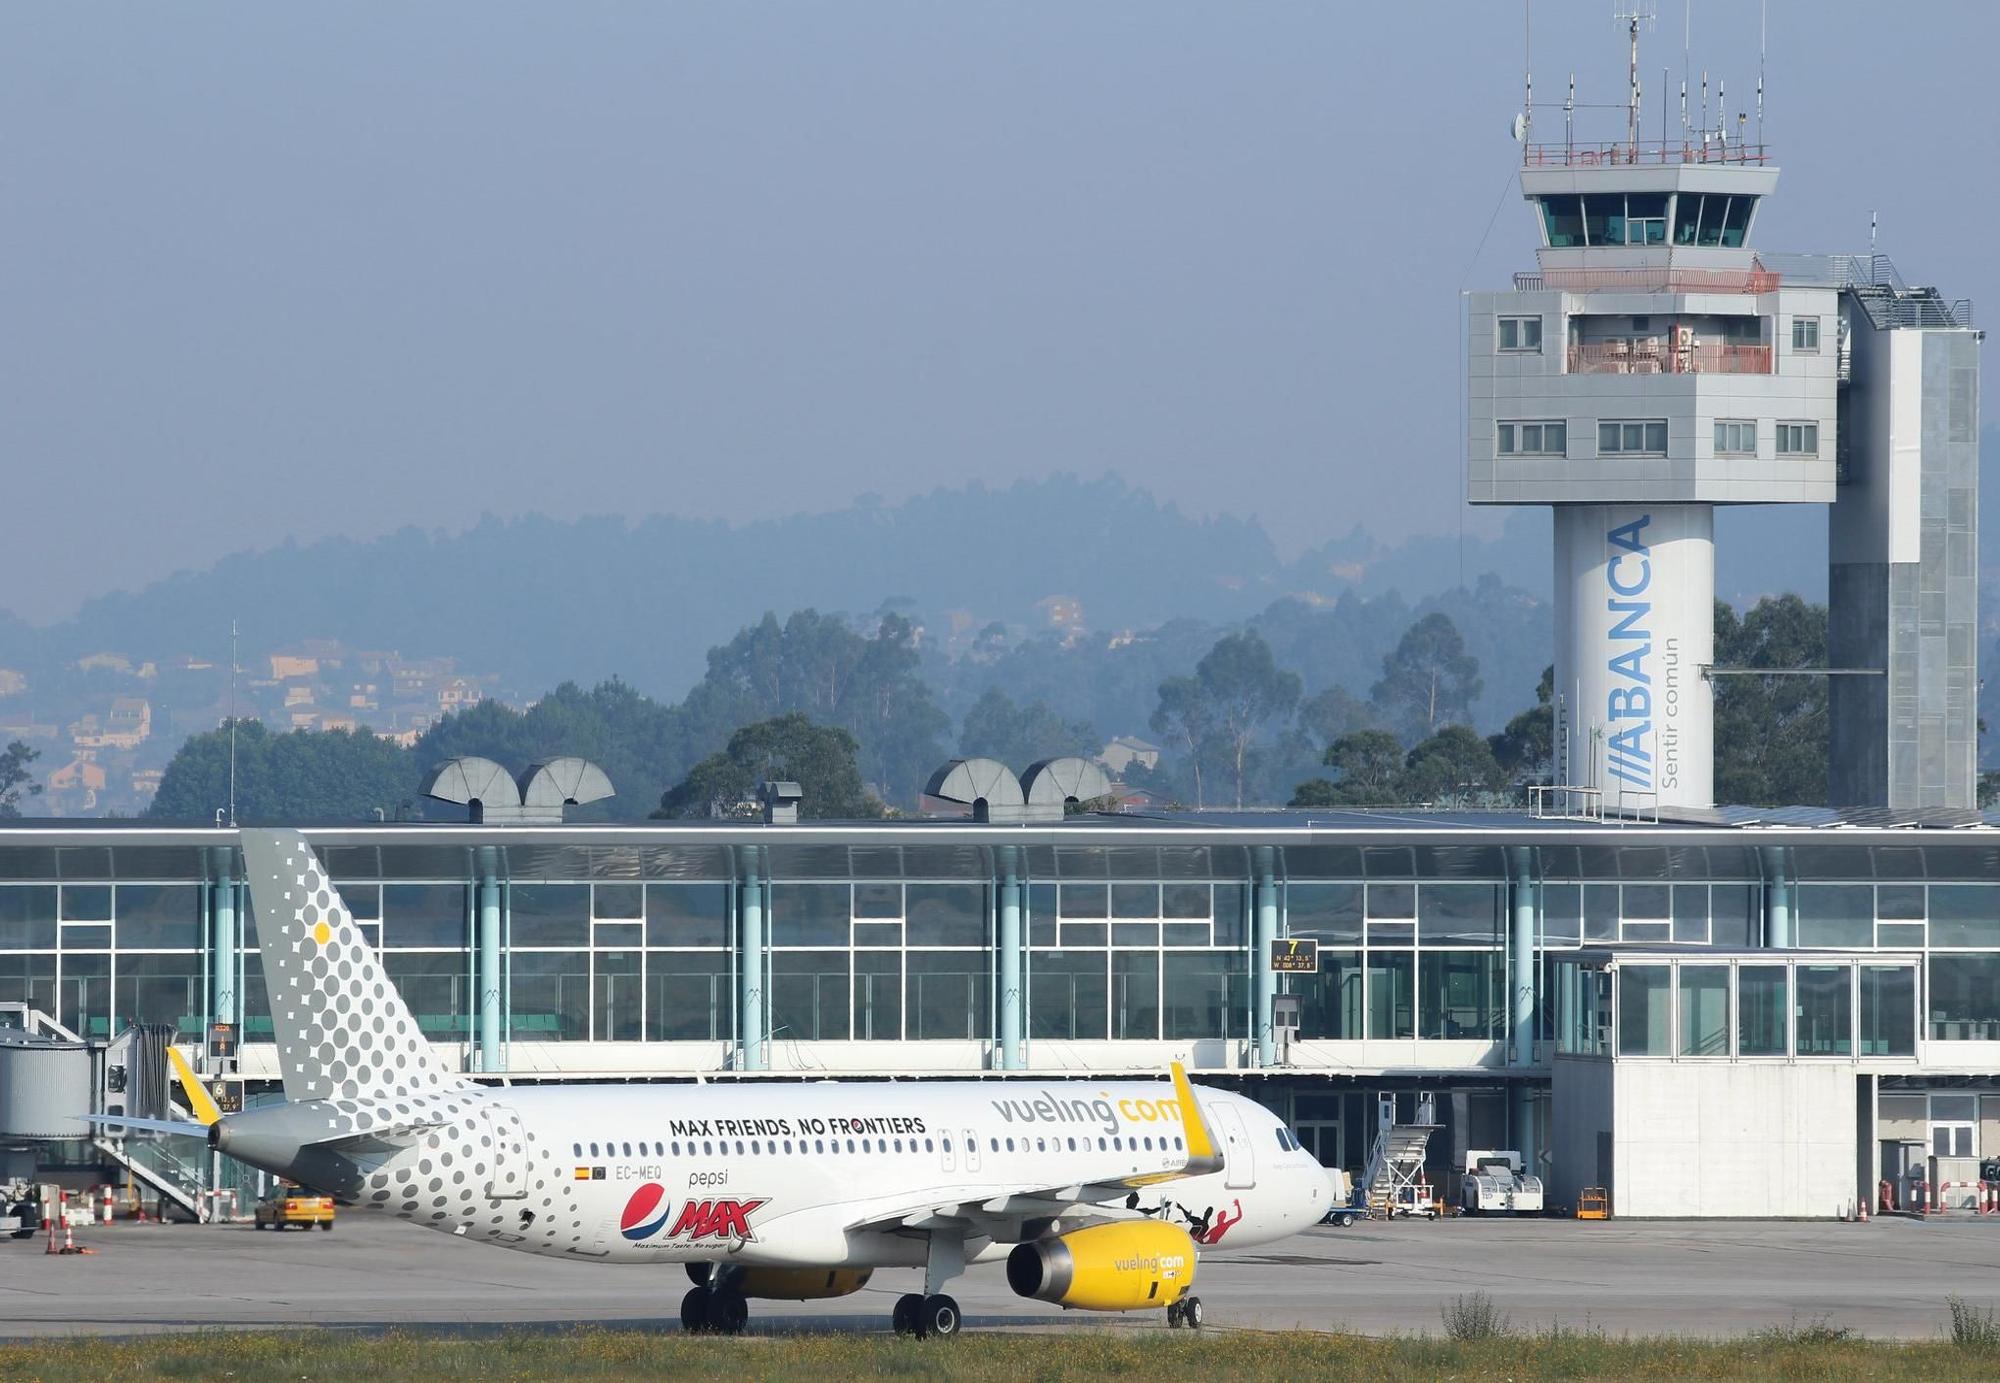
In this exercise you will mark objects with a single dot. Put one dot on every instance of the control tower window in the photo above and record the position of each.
(1564, 218)
(1520, 333)
(1713, 219)
(1646, 218)
(1632, 437)
(1604, 218)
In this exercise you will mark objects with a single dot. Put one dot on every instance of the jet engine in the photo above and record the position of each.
(1126, 1265)
(786, 1284)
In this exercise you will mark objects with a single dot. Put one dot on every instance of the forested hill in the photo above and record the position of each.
(541, 601)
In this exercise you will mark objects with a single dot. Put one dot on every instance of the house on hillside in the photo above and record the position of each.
(1125, 751)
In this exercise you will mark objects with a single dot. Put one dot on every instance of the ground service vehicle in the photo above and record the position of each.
(292, 1205)
(1497, 1182)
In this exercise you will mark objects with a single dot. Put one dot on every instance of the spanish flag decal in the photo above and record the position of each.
(583, 1174)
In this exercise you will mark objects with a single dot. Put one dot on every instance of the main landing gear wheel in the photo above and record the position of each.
(1185, 1312)
(938, 1317)
(694, 1311)
(728, 1312)
(908, 1308)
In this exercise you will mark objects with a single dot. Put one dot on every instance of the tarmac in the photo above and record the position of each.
(1890, 1278)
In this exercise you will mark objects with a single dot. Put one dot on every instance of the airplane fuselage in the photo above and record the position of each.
(777, 1174)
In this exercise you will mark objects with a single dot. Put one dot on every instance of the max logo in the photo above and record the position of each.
(647, 1212)
(726, 1219)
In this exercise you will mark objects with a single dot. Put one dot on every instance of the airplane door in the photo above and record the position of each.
(1240, 1162)
(971, 1151)
(509, 1179)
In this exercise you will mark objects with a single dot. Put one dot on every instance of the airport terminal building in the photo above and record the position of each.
(1495, 959)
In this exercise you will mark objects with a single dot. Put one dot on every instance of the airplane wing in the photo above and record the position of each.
(927, 1210)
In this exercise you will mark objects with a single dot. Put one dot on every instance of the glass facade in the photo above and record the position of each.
(611, 938)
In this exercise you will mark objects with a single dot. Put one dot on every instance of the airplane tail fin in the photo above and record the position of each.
(341, 1028)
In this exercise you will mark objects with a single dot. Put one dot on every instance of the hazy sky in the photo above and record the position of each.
(272, 270)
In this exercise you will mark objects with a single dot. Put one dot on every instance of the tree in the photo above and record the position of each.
(1186, 715)
(1526, 748)
(786, 748)
(816, 664)
(1771, 732)
(1429, 679)
(16, 781)
(1334, 712)
(996, 728)
(1369, 765)
(1453, 763)
(1237, 690)
(306, 775)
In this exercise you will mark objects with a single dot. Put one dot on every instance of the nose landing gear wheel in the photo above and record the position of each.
(727, 1311)
(1174, 1314)
(1191, 1312)
(694, 1311)
(904, 1317)
(938, 1316)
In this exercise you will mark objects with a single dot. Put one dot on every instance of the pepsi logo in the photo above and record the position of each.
(645, 1213)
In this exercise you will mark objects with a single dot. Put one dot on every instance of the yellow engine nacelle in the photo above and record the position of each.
(1124, 1266)
(796, 1284)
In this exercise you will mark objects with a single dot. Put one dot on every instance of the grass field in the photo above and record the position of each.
(1811, 1350)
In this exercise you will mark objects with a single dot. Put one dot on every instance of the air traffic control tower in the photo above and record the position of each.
(1655, 365)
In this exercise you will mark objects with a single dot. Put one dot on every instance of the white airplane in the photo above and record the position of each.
(1098, 1195)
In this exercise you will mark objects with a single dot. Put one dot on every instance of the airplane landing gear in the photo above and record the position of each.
(937, 1317)
(1185, 1312)
(712, 1306)
(728, 1312)
(904, 1317)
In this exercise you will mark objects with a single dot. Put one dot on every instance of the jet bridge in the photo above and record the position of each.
(50, 1077)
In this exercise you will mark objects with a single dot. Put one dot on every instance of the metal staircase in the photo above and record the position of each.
(1397, 1160)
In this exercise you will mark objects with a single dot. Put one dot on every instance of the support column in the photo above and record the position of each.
(750, 968)
(1523, 993)
(223, 945)
(486, 967)
(1777, 899)
(1264, 932)
(1009, 944)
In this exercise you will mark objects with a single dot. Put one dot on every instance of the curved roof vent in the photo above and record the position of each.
(492, 795)
(552, 784)
(987, 786)
(479, 785)
(1053, 784)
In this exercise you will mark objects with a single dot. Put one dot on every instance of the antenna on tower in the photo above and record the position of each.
(1637, 12)
(1527, 121)
(1763, 26)
(1687, 35)
(232, 724)
(1569, 122)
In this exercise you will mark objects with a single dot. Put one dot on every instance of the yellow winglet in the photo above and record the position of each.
(1204, 1153)
(199, 1100)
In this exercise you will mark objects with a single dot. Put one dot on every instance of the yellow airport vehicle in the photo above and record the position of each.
(289, 1205)
(1593, 1204)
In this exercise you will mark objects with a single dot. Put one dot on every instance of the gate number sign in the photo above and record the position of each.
(1299, 956)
